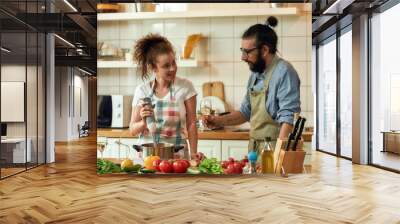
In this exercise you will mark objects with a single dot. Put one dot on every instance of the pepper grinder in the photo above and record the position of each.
(146, 101)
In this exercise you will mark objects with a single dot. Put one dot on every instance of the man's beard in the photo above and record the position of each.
(258, 66)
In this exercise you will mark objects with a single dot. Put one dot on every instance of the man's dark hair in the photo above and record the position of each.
(264, 34)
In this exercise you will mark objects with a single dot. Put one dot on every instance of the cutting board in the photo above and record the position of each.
(214, 89)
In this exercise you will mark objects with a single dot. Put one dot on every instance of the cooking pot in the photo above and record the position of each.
(163, 150)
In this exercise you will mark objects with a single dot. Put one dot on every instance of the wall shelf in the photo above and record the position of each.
(195, 14)
(188, 63)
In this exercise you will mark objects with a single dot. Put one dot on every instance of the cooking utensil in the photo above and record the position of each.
(299, 132)
(293, 133)
(163, 150)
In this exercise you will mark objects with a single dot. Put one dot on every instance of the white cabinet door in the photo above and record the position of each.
(210, 148)
(234, 148)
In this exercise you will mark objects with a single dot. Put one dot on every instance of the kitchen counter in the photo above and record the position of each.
(225, 134)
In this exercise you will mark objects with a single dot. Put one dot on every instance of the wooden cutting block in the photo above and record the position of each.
(218, 90)
(207, 89)
(214, 89)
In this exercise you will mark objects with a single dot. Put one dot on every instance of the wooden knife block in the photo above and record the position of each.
(289, 161)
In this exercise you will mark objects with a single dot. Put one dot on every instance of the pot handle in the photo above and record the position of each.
(178, 147)
(138, 148)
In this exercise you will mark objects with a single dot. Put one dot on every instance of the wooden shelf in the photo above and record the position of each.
(195, 14)
(188, 63)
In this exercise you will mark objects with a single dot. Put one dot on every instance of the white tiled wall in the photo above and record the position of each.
(220, 51)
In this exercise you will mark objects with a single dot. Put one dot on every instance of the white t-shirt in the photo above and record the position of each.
(183, 90)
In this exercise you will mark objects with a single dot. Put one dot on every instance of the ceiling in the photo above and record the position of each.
(72, 20)
(332, 15)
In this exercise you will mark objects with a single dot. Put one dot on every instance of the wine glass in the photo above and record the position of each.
(101, 147)
(205, 107)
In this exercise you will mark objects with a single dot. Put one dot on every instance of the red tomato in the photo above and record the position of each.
(231, 160)
(237, 166)
(230, 169)
(179, 166)
(186, 162)
(156, 164)
(225, 164)
(166, 167)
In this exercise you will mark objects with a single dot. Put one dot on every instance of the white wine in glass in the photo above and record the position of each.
(205, 107)
(101, 147)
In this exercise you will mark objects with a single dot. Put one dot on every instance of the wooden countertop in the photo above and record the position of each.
(203, 135)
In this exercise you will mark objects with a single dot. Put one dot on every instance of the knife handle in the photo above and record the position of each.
(299, 133)
(290, 138)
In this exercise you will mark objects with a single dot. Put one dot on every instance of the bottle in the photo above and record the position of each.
(267, 157)
(252, 157)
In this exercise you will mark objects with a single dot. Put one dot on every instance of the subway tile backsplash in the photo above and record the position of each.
(219, 52)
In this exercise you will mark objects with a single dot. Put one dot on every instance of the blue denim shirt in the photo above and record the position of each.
(283, 93)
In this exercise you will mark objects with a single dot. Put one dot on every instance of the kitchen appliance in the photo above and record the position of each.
(163, 150)
(114, 111)
(3, 130)
(148, 103)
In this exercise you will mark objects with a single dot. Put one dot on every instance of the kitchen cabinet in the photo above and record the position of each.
(234, 148)
(210, 148)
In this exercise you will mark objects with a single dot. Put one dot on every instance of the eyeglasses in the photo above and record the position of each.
(246, 52)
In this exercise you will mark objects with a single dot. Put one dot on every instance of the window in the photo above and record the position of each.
(327, 96)
(385, 89)
(346, 94)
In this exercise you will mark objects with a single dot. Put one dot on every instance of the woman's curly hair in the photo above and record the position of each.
(146, 51)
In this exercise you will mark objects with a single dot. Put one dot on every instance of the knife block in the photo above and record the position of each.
(289, 161)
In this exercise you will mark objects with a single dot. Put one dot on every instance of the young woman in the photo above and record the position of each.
(174, 98)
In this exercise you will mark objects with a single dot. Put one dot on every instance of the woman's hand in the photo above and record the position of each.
(146, 111)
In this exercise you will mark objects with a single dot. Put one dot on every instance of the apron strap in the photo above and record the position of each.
(170, 88)
(270, 71)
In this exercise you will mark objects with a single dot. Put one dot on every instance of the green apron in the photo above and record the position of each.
(261, 123)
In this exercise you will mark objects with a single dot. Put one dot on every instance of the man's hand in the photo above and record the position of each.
(211, 121)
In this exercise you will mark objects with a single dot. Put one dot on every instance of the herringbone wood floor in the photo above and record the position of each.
(69, 191)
